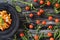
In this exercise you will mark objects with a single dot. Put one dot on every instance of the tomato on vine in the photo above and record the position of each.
(37, 21)
(50, 18)
(44, 22)
(56, 20)
(48, 3)
(27, 8)
(31, 26)
(57, 5)
(51, 38)
(38, 13)
(49, 34)
(41, 2)
(36, 37)
(31, 15)
(35, 0)
(41, 11)
(22, 34)
(50, 26)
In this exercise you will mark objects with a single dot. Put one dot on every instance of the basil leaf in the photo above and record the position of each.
(18, 8)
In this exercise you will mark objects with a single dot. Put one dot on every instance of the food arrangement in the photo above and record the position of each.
(9, 21)
(5, 20)
(40, 19)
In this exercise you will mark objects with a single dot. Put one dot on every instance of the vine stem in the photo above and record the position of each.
(28, 31)
(30, 4)
(25, 2)
(27, 19)
(39, 26)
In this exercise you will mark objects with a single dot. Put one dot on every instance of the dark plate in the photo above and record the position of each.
(15, 20)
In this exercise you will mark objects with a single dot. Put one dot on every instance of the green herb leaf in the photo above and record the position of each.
(41, 35)
(58, 35)
(1, 20)
(58, 1)
(14, 0)
(55, 34)
(24, 38)
(15, 37)
(57, 11)
(18, 8)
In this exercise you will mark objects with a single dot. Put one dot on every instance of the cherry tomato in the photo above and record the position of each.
(27, 8)
(51, 38)
(50, 18)
(48, 3)
(37, 21)
(21, 34)
(41, 2)
(35, 0)
(57, 20)
(36, 37)
(49, 34)
(57, 5)
(44, 22)
(38, 13)
(50, 27)
(41, 11)
(31, 15)
(31, 26)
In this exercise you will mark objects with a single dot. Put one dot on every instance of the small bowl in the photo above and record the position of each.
(15, 20)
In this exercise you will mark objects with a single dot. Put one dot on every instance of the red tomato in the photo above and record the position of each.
(51, 38)
(31, 26)
(49, 34)
(50, 27)
(41, 2)
(50, 18)
(36, 37)
(38, 13)
(31, 15)
(57, 5)
(41, 11)
(57, 20)
(21, 34)
(44, 22)
(48, 3)
(37, 21)
(35, 0)
(27, 8)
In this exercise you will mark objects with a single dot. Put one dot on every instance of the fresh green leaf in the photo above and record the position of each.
(41, 35)
(58, 1)
(55, 27)
(55, 34)
(15, 37)
(25, 38)
(58, 35)
(57, 11)
(1, 20)
(18, 9)
(14, 0)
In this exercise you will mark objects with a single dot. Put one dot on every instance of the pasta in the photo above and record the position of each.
(5, 20)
